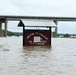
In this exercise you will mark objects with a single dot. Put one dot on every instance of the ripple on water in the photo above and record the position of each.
(58, 60)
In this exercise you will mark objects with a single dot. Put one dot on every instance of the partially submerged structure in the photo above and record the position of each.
(36, 32)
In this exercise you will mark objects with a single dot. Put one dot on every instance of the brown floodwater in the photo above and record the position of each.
(60, 59)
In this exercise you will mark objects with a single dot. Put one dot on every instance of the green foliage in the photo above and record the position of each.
(66, 35)
(9, 33)
(57, 35)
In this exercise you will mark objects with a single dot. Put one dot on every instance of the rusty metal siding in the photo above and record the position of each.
(37, 37)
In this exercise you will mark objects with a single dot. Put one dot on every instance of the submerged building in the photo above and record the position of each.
(36, 32)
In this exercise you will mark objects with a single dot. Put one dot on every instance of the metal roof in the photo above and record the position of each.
(36, 23)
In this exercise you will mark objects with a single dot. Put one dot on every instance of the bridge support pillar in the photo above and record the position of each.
(56, 22)
(0, 28)
(5, 31)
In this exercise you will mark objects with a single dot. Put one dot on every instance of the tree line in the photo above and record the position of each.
(9, 33)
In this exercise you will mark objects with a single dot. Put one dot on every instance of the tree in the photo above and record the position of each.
(66, 35)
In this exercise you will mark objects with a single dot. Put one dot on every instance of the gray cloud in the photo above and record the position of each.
(39, 8)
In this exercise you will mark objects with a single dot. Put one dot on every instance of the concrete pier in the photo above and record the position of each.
(56, 22)
(3, 33)
(0, 28)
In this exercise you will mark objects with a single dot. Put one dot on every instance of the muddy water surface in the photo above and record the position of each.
(58, 60)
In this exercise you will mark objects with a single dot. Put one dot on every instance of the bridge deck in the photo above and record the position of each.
(17, 18)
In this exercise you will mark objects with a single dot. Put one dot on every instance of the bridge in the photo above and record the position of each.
(5, 18)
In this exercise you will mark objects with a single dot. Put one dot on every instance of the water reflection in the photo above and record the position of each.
(37, 48)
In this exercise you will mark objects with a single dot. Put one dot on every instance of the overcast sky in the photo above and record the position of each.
(61, 8)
